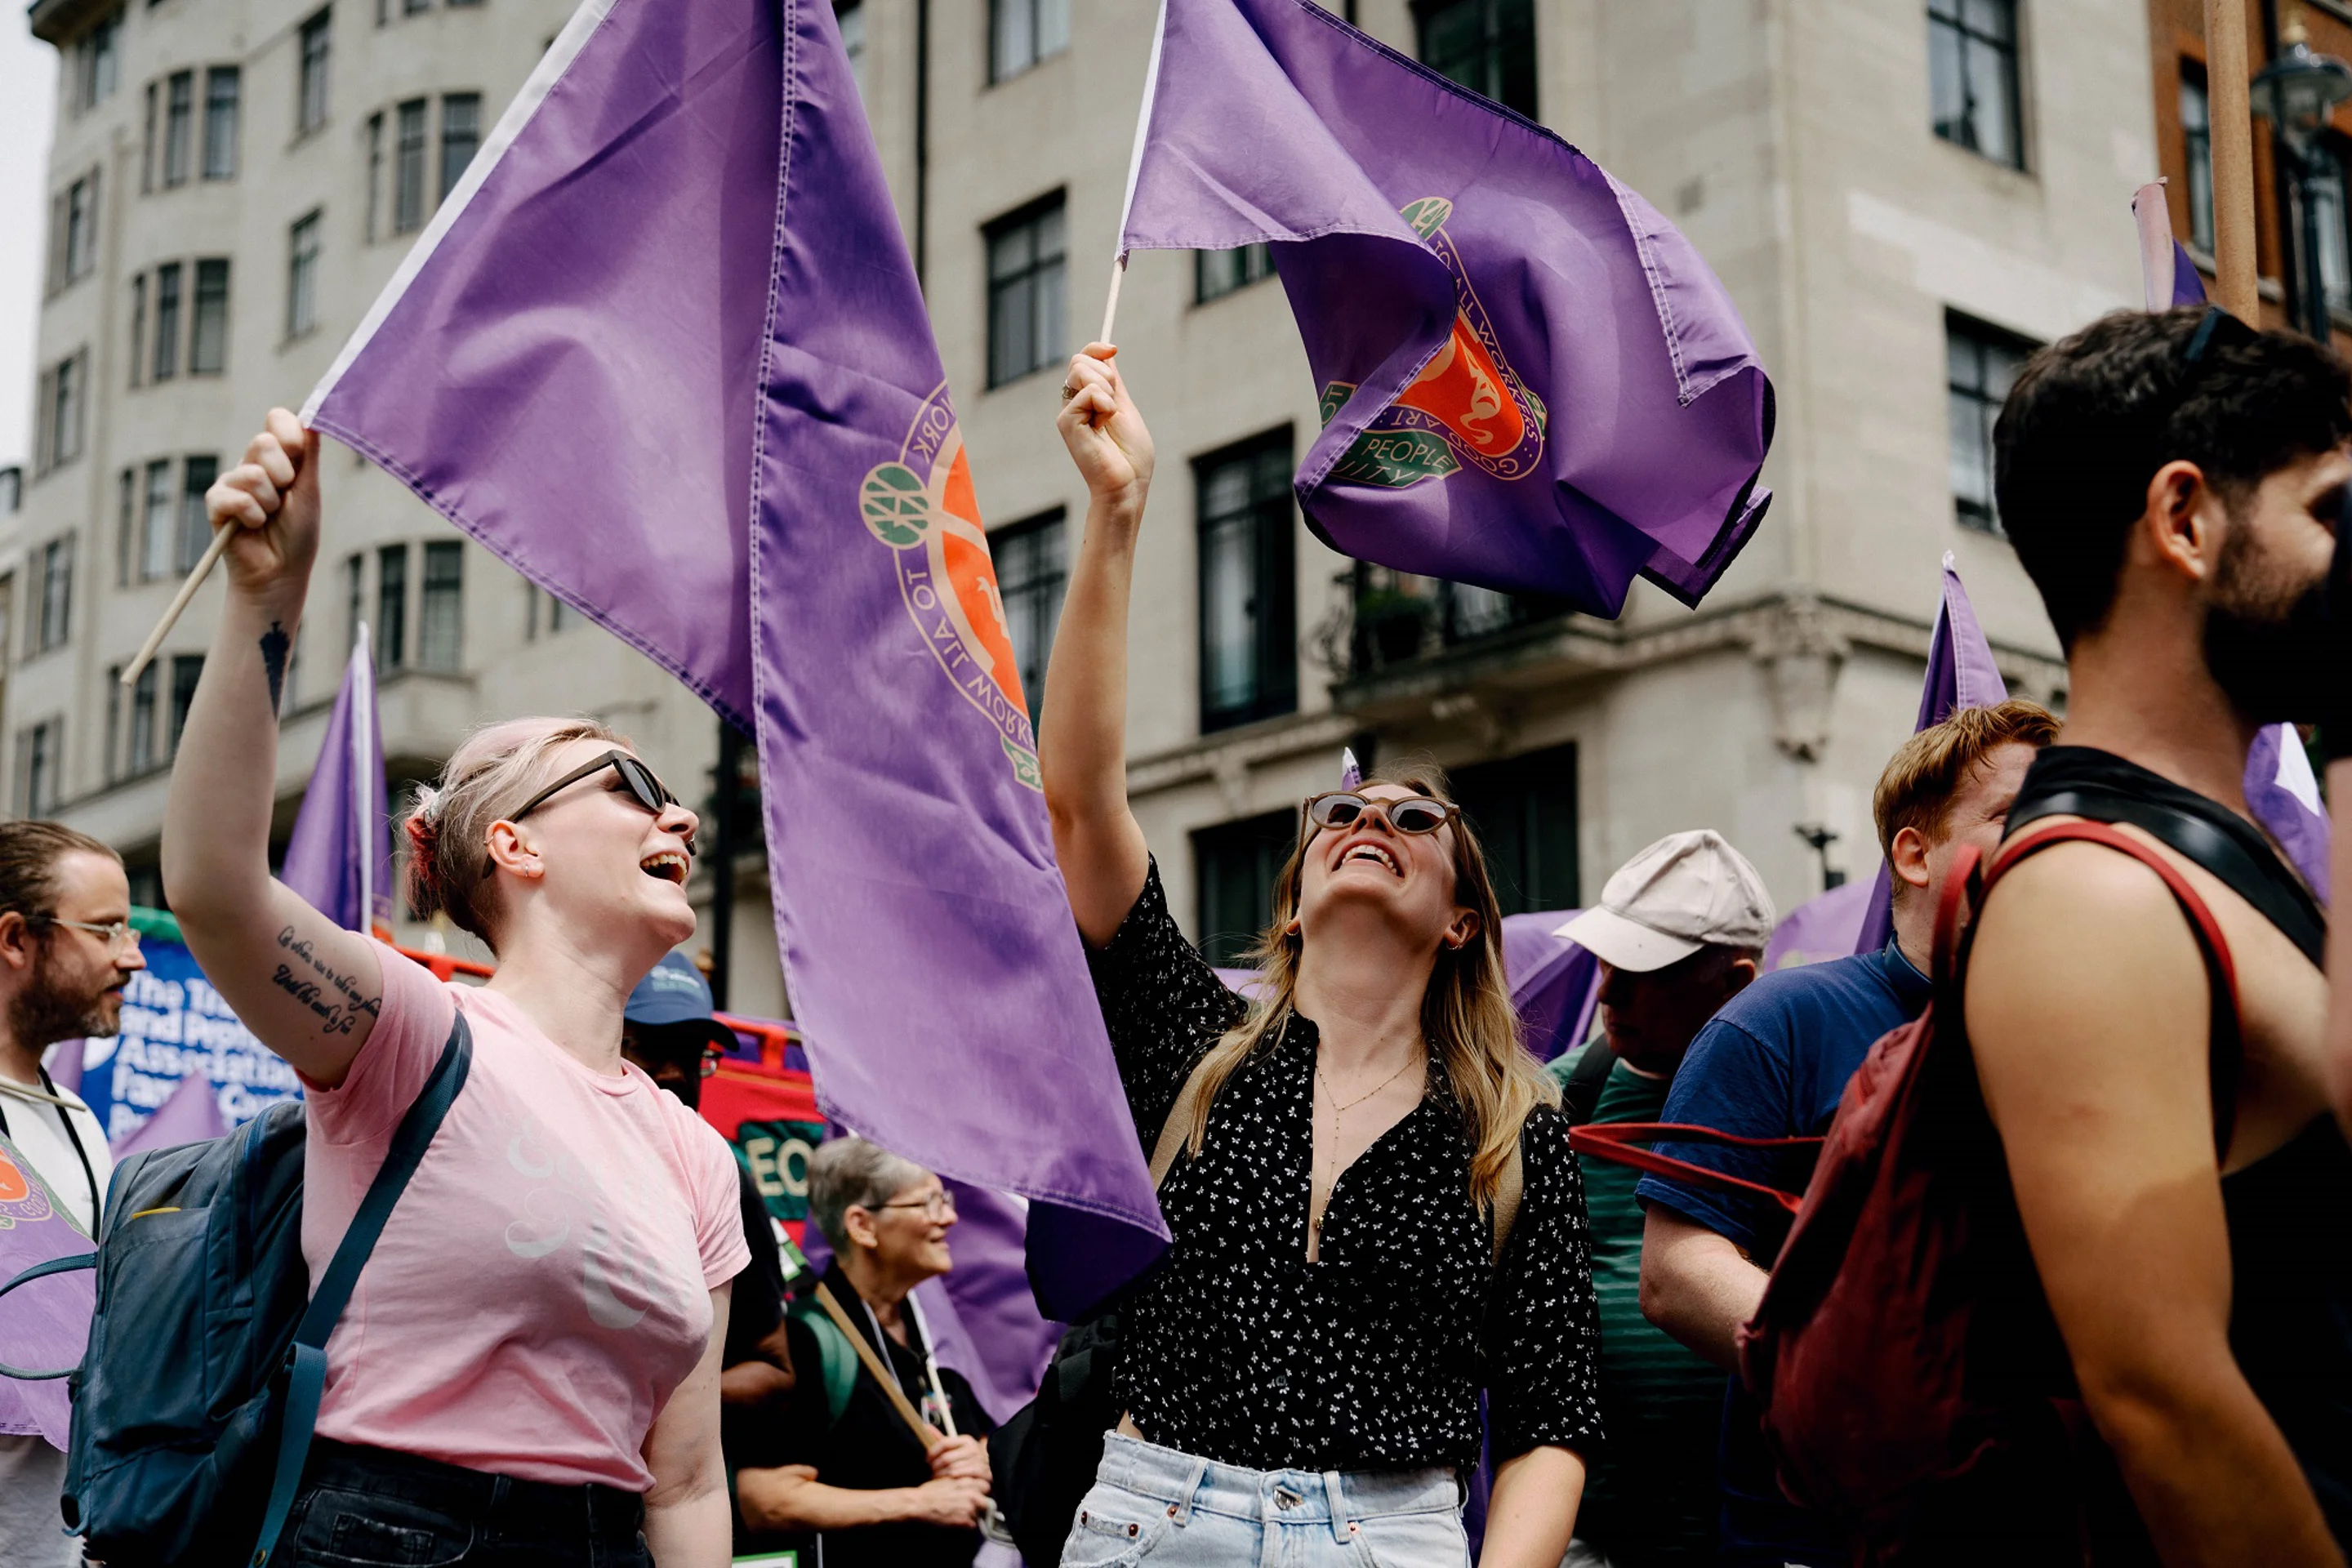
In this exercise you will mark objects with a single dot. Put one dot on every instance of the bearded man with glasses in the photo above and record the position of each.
(66, 950)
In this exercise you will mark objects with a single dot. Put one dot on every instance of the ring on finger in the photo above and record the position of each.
(1068, 392)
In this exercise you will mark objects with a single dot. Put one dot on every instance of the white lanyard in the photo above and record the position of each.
(930, 1362)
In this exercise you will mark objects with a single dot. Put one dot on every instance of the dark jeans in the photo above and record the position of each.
(371, 1508)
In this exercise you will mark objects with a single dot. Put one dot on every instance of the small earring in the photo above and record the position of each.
(1292, 929)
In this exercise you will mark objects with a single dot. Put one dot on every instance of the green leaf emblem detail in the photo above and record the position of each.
(896, 504)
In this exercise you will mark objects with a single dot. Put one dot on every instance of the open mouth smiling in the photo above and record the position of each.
(1366, 850)
(666, 865)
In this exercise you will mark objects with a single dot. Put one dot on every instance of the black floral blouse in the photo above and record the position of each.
(1241, 1351)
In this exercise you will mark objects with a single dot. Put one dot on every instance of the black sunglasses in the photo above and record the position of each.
(638, 779)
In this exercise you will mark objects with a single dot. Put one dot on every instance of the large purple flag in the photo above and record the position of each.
(1529, 379)
(663, 351)
(2281, 790)
(1827, 925)
(1554, 983)
(45, 1325)
(1960, 674)
(339, 854)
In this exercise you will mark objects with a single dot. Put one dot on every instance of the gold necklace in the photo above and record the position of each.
(1331, 1164)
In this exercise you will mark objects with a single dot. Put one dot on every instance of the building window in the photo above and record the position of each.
(2197, 151)
(221, 86)
(58, 439)
(1217, 273)
(355, 583)
(1027, 288)
(391, 606)
(155, 554)
(179, 127)
(1030, 571)
(1972, 76)
(302, 276)
(1249, 661)
(40, 749)
(167, 322)
(98, 62)
(559, 614)
(851, 16)
(1023, 32)
(440, 622)
(143, 722)
(138, 327)
(113, 723)
(2323, 188)
(375, 178)
(1233, 867)
(54, 623)
(415, 7)
(1524, 810)
(126, 529)
(195, 527)
(1982, 364)
(1487, 45)
(408, 170)
(461, 136)
(76, 237)
(147, 145)
(311, 88)
(187, 668)
(208, 337)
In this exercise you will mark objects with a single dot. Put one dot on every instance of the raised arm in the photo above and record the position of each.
(308, 988)
(2086, 1006)
(1082, 726)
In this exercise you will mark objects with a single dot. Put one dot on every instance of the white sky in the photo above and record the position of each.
(28, 84)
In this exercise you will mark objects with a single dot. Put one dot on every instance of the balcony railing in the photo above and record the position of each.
(1382, 619)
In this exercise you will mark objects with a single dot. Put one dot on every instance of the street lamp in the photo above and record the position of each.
(2295, 93)
(1820, 837)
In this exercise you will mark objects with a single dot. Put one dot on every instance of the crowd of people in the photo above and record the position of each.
(578, 1339)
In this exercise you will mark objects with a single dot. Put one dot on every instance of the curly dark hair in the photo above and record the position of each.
(2093, 415)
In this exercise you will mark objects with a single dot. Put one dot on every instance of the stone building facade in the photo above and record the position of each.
(1902, 198)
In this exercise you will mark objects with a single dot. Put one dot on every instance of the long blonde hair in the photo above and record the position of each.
(1466, 1013)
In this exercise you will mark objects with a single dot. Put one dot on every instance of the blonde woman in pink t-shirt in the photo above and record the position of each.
(528, 1374)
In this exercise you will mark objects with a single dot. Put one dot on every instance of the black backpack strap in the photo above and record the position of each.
(2274, 890)
(307, 1360)
(1580, 1092)
(42, 1271)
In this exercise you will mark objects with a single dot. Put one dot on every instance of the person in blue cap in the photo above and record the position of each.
(667, 1030)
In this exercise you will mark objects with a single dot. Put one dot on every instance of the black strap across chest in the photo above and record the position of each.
(73, 1136)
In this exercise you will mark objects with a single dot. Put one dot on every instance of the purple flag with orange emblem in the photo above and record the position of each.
(1530, 380)
(664, 352)
(44, 1325)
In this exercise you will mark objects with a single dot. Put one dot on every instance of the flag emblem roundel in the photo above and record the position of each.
(21, 1198)
(922, 507)
(1466, 407)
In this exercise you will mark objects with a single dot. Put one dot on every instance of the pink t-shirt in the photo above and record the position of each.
(543, 1284)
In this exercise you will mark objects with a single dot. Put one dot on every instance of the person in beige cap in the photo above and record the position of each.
(1678, 931)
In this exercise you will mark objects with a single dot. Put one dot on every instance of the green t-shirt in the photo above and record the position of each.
(1651, 1500)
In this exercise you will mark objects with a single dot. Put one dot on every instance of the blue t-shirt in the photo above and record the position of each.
(1774, 1063)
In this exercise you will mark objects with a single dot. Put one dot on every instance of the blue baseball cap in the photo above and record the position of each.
(674, 993)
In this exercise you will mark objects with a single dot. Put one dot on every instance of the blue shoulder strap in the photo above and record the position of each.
(41, 1271)
(307, 1360)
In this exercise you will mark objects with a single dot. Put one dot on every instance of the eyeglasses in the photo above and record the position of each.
(638, 779)
(119, 934)
(937, 1205)
(1344, 808)
(711, 1058)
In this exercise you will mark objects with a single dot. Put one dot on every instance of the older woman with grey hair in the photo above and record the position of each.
(839, 1466)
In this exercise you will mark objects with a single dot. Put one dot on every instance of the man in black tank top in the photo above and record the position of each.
(2171, 482)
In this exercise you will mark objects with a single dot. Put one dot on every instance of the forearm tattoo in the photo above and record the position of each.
(275, 646)
(332, 996)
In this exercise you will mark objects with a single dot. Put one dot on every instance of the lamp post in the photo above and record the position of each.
(2295, 93)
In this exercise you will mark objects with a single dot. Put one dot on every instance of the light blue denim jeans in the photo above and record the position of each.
(1153, 1505)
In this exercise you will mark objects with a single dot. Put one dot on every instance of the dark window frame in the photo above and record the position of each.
(1218, 273)
(1980, 381)
(459, 150)
(1036, 47)
(391, 606)
(1500, 65)
(313, 56)
(169, 296)
(224, 110)
(411, 137)
(1954, 32)
(208, 317)
(304, 266)
(1264, 528)
(441, 607)
(179, 129)
(1043, 277)
(1234, 868)
(1524, 810)
(1033, 572)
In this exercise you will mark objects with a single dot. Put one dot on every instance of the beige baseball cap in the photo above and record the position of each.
(1683, 891)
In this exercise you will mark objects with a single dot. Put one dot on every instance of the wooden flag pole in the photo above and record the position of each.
(1110, 305)
(211, 558)
(2235, 287)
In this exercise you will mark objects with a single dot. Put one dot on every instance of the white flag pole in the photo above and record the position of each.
(363, 673)
(1134, 167)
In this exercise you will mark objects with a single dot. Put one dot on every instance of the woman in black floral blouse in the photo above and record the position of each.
(1308, 1362)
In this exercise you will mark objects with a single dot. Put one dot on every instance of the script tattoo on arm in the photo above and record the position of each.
(332, 996)
(275, 646)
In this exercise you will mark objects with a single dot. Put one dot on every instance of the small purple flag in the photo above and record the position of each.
(190, 1114)
(663, 351)
(44, 1325)
(338, 857)
(1530, 380)
(1827, 925)
(2281, 790)
(1554, 983)
(1960, 674)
